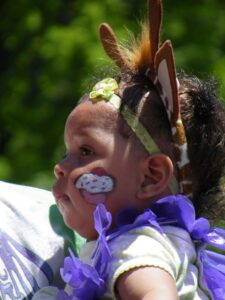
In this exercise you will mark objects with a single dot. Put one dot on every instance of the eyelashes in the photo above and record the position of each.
(85, 151)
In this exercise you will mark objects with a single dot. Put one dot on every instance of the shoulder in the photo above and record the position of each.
(146, 246)
(172, 251)
(167, 240)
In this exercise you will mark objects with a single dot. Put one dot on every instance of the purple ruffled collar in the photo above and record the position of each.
(88, 281)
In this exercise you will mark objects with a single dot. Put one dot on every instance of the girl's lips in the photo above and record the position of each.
(62, 202)
(60, 199)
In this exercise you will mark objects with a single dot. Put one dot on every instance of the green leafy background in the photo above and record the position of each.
(48, 51)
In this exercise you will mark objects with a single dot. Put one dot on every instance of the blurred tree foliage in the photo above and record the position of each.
(48, 51)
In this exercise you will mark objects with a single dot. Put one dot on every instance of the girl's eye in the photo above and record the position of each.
(85, 151)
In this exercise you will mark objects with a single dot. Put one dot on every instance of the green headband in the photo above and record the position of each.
(105, 90)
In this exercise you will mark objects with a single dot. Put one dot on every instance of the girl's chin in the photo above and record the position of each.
(82, 229)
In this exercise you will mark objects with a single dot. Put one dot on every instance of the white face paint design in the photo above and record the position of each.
(95, 185)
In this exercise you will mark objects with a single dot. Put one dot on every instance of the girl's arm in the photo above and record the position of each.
(147, 283)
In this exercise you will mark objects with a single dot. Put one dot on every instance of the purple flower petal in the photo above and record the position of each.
(200, 228)
(102, 218)
(175, 208)
(82, 278)
(216, 238)
(148, 218)
(214, 273)
(102, 254)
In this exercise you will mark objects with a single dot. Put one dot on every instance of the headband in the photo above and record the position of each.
(161, 72)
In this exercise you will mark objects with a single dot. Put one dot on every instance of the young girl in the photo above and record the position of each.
(145, 156)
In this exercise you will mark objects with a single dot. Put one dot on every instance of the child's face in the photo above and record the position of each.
(100, 167)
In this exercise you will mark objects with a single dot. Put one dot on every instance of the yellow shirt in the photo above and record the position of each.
(172, 251)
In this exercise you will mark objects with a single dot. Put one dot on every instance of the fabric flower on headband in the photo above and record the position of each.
(105, 90)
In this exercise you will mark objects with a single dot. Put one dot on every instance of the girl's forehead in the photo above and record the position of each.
(89, 114)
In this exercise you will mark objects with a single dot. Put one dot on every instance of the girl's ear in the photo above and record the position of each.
(157, 173)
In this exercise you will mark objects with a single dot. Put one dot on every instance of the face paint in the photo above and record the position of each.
(95, 185)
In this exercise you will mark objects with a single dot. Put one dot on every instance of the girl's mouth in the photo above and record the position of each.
(61, 198)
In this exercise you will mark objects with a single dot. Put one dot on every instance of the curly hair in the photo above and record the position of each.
(203, 117)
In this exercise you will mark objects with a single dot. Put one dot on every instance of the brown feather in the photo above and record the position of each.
(139, 51)
(134, 56)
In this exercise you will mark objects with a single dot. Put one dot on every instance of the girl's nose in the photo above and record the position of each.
(58, 171)
(65, 166)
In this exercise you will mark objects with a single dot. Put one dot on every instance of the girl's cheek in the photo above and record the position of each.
(95, 186)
